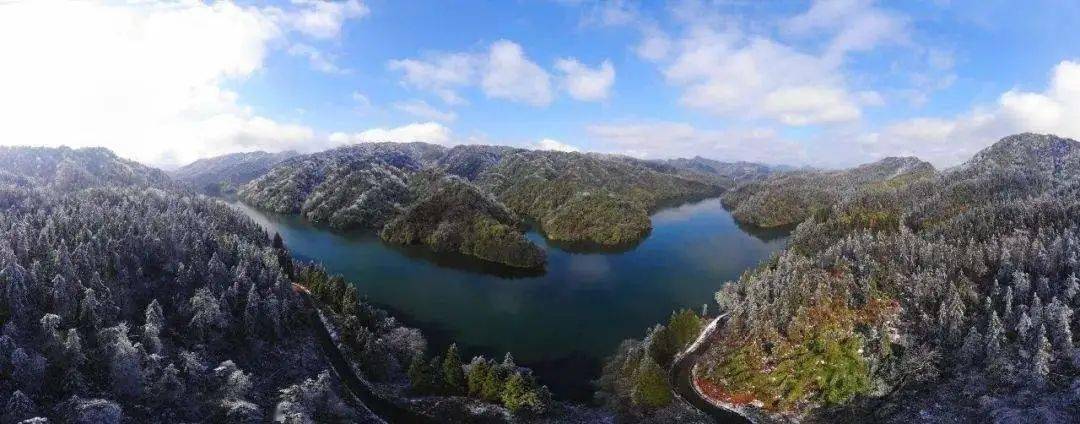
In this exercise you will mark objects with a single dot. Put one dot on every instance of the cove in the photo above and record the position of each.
(561, 322)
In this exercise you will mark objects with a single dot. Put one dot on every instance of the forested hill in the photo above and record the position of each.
(124, 298)
(573, 197)
(223, 175)
(789, 197)
(941, 299)
(65, 168)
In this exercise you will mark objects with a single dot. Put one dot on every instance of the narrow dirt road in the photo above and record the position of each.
(388, 411)
(682, 378)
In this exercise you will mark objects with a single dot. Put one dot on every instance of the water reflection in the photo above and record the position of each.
(562, 322)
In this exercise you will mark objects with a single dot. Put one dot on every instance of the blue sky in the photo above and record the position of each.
(828, 83)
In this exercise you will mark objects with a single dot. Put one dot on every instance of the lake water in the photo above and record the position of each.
(561, 322)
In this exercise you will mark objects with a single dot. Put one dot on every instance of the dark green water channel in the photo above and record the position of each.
(561, 322)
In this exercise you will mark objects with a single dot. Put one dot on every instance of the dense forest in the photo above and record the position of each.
(128, 298)
(583, 199)
(788, 198)
(944, 298)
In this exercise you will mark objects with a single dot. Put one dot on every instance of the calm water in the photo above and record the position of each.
(561, 322)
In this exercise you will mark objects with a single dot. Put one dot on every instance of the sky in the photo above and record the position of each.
(829, 83)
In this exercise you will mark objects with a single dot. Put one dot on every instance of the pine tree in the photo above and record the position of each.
(651, 389)
(493, 385)
(1072, 288)
(683, 327)
(453, 376)
(478, 371)
(155, 322)
(1009, 303)
(1059, 315)
(73, 351)
(1040, 363)
(972, 348)
(251, 314)
(660, 344)
(19, 407)
(168, 387)
(417, 379)
(513, 392)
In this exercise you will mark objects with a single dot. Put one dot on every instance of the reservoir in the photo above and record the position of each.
(561, 322)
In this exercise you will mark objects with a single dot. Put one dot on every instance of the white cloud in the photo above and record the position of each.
(442, 74)
(854, 25)
(323, 19)
(949, 141)
(809, 104)
(361, 100)
(422, 109)
(318, 60)
(584, 83)
(509, 74)
(429, 132)
(727, 74)
(733, 67)
(556, 145)
(655, 44)
(677, 139)
(137, 79)
(503, 72)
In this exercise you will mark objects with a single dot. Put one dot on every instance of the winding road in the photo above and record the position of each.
(361, 389)
(682, 378)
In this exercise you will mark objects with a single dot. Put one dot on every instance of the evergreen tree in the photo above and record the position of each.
(1023, 327)
(513, 392)
(493, 385)
(683, 327)
(155, 321)
(651, 389)
(478, 371)
(660, 344)
(453, 375)
(19, 407)
(417, 379)
(972, 348)
(251, 314)
(1040, 363)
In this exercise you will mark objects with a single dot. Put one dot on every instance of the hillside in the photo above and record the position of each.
(571, 197)
(788, 198)
(956, 305)
(125, 300)
(223, 175)
(130, 300)
(452, 215)
(587, 198)
(70, 169)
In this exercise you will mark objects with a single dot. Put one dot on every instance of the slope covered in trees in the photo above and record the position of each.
(126, 298)
(587, 198)
(571, 197)
(788, 198)
(955, 303)
(452, 215)
(223, 175)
